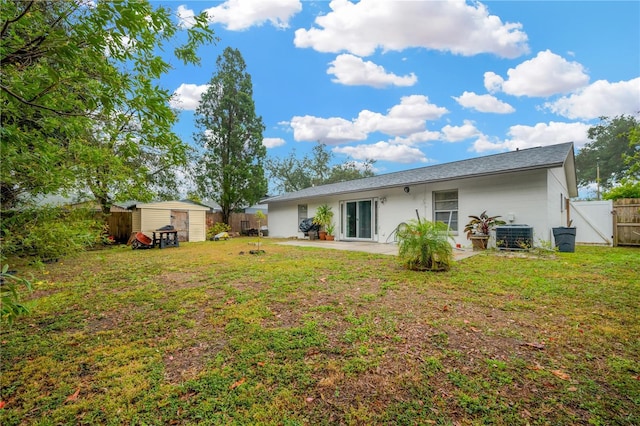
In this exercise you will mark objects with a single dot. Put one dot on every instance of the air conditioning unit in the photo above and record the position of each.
(514, 237)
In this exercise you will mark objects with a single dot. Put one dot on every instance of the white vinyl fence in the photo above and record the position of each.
(593, 221)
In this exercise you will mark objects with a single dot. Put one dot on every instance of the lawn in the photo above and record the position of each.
(303, 336)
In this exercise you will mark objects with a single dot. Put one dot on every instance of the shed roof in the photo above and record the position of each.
(560, 155)
(169, 205)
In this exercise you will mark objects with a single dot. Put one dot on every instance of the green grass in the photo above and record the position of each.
(303, 336)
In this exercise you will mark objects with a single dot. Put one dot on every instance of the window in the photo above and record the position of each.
(445, 208)
(302, 213)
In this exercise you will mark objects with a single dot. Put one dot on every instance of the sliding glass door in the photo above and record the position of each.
(357, 219)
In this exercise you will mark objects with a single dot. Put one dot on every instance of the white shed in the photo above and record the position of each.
(188, 219)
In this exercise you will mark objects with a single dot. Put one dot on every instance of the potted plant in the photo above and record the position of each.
(330, 229)
(323, 217)
(424, 245)
(478, 229)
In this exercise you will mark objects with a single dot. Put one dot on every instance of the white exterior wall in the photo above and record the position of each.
(197, 225)
(557, 193)
(520, 198)
(283, 220)
(153, 219)
(136, 221)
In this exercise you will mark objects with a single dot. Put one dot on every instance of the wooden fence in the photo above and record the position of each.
(626, 229)
(120, 226)
(239, 221)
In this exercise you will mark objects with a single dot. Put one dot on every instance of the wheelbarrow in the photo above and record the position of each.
(141, 241)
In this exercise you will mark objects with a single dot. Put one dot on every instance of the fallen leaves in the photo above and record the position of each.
(560, 374)
(74, 396)
(238, 383)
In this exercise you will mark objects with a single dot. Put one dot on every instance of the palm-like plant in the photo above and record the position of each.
(481, 225)
(424, 245)
(323, 216)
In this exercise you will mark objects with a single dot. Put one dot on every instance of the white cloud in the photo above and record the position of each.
(186, 17)
(542, 134)
(187, 96)
(273, 142)
(484, 103)
(460, 133)
(406, 118)
(370, 122)
(331, 131)
(545, 75)
(353, 71)
(417, 106)
(600, 99)
(416, 138)
(455, 26)
(384, 151)
(238, 15)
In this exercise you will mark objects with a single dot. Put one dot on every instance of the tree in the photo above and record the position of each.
(633, 159)
(82, 112)
(611, 145)
(229, 169)
(293, 174)
(80, 109)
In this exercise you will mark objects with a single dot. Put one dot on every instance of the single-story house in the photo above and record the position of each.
(188, 218)
(526, 187)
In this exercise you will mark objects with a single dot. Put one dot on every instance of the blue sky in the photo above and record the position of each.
(414, 83)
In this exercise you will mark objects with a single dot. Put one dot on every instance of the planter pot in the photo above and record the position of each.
(330, 237)
(322, 235)
(479, 242)
(565, 239)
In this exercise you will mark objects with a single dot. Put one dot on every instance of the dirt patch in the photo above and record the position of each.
(187, 363)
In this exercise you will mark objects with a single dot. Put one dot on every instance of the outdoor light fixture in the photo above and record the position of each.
(383, 200)
(406, 189)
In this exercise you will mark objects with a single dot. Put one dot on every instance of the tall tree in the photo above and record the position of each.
(294, 173)
(80, 109)
(633, 158)
(229, 169)
(611, 144)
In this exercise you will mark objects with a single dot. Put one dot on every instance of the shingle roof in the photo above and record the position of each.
(520, 160)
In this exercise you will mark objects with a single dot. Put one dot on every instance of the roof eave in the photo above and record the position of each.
(431, 181)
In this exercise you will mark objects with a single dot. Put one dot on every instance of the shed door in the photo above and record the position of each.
(180, 222)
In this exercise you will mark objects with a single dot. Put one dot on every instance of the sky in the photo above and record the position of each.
(418, 82)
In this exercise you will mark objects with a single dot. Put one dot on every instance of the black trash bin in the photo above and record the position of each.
(565, 239)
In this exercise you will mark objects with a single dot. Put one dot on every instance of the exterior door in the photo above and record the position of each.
(357, 220)
(180, 222)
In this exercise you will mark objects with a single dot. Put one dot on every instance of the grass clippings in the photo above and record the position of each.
(306, 336)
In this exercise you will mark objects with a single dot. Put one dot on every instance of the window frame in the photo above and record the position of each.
(450, 211)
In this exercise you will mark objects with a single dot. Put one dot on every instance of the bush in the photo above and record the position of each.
(10, 306)
(48, 233)
(629, 189)
(424, 245)
(217, 228)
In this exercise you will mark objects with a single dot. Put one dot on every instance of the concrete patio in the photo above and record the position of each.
(367, 247)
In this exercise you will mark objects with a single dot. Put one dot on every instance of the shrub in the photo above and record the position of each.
(217, 228)
(628, 189)
(424, 245)
(10, 306)
(48, 233)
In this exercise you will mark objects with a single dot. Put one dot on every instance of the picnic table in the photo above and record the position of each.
(168, 238)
